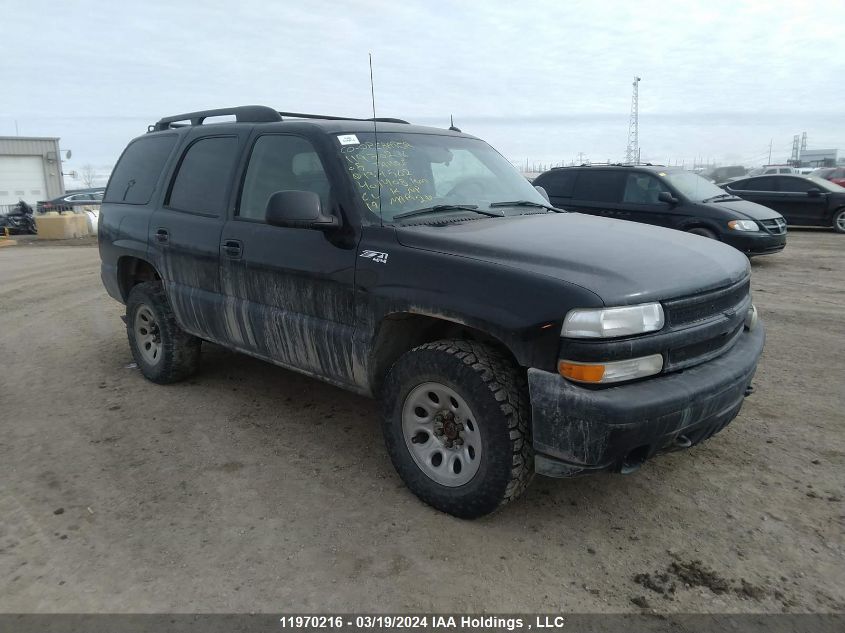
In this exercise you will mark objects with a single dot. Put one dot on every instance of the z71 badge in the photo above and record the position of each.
(376, 256)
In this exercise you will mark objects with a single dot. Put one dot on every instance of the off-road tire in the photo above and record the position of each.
(180, 351)
(838, 218)
(497, 393)
(700, 230)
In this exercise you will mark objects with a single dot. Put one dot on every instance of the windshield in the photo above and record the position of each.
(692, 185)
(419, 171)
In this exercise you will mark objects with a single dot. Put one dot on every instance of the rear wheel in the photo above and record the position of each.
(700, 230)
(839, 221)
(456, 426)
(163, 352)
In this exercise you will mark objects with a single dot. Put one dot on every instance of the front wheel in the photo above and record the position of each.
(456, 426)
(839, 221)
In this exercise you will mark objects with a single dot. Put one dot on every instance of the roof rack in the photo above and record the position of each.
(249, 114)
(609, 165)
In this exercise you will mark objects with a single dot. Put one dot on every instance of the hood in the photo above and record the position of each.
(622, 262)
(746, 209)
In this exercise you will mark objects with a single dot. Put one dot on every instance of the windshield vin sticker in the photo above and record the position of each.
(376, 256)
(348, 139)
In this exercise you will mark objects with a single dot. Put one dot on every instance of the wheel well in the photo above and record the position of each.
(702, 225)
(402, 332)
(131, 271)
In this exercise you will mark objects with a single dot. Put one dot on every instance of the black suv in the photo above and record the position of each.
(669, 197)
(413, 264)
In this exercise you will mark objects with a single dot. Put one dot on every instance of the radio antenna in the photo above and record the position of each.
(375, 138)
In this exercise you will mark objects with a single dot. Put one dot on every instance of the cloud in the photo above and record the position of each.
(544, 80)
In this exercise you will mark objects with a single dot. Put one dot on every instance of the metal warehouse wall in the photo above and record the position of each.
(47, 149)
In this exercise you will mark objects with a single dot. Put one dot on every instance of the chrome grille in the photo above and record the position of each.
(776, 226)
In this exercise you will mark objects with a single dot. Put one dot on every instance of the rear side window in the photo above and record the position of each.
(203, 177)
(137, 172)
(599, 185)
(754, 184)
(559, 184)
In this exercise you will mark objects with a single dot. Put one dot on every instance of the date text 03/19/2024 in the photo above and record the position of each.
(422, 622)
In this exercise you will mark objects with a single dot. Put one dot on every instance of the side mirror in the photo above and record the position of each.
(665, 196)
(814, 192)
(298, 210)
(543, 193)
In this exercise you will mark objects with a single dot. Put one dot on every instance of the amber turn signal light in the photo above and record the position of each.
(581, 373)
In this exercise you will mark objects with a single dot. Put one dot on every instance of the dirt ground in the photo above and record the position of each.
(251, 488)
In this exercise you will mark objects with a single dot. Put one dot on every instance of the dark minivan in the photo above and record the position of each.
(670, 197)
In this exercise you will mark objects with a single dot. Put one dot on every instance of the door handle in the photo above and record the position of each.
(233, 248)
(162, 236)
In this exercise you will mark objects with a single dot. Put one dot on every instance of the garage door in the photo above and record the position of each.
(22, 178)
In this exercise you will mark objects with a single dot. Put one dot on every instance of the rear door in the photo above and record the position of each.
(760, 189)
(599, 192)
(185, 231)
(289, 292)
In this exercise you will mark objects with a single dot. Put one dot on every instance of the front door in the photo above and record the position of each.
(289, 292)
(796, 202)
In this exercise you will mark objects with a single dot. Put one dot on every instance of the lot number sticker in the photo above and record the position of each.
(348, 139)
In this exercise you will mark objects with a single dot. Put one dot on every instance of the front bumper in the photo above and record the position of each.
(578, 430)
(760, 243)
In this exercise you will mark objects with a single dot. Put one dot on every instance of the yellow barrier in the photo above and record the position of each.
(54, 226)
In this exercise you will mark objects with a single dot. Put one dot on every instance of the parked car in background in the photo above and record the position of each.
(802, 200)
(835, 175)
(670, 197)
(770, 169)
(718, 174)
(72, 200)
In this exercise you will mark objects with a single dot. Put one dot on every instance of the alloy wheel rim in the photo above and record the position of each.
(441, 434)
(147, 334)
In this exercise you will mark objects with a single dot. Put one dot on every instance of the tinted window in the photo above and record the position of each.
(642, 188)
(797, 185)
(135, 176)
(558, 184)
(754, 184)
(203, 177)
(281, 163)
(599, 185)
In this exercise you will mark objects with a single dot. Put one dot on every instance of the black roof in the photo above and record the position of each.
(266, 115)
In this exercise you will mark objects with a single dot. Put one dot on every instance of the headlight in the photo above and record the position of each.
(612, 322)
(617, 371)
(743, 225)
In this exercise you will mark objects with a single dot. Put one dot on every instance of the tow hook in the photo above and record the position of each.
(749, 390)
(682, 441)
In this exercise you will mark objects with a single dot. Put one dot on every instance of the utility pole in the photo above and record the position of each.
(793, 159)
(632, 154)
(770, 151)
(803, 147)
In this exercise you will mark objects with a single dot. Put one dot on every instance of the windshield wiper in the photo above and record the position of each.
(526, 203)
(721, 196)
(437, 208)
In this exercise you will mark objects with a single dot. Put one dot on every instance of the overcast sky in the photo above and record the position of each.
(538, 80)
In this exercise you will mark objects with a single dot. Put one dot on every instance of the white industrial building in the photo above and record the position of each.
(30, 169)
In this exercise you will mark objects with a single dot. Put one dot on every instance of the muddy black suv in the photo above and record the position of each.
(503, 336)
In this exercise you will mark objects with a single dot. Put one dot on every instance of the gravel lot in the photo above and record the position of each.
(251, 488)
